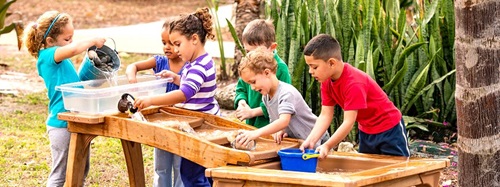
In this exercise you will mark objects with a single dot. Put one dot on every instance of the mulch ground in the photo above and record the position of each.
(106, 13)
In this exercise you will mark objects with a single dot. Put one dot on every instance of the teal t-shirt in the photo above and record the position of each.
(55, 74)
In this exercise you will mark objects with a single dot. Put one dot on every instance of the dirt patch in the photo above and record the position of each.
(107, 13)
(86, 14)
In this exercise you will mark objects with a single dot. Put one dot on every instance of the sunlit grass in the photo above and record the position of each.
(25, 153)
(25, 157)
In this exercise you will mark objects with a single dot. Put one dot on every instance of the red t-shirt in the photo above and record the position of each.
(356, 90)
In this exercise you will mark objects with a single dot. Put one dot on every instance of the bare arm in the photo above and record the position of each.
(277, 125)
(170, 98)
(321, 125)
(257, 112)
(76, 48)
(343, 130)
(176, 79)
(133, 68)
(244, 111)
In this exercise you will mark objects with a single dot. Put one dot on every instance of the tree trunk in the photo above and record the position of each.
(477, 96)
(246, 11)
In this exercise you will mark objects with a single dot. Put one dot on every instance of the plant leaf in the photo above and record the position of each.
(237, 41)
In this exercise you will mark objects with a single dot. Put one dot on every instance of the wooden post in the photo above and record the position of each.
(135, 166)
(77, 158)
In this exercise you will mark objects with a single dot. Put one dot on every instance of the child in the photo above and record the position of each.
(381, 126)
(287, 109)
(248, 103)
(197, 83)
(50, 41)
(163, 160)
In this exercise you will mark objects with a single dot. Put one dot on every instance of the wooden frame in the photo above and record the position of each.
(84, 128)
(377, 171)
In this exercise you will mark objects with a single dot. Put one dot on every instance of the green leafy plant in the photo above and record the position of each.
(214, 8)
(16, 25)
(237, 41)
(406, 46)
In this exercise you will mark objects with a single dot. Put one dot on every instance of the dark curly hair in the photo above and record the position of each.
(199, 23)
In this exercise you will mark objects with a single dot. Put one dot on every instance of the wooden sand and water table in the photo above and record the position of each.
(211, 148)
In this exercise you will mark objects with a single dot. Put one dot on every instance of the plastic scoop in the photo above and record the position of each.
(308, 156)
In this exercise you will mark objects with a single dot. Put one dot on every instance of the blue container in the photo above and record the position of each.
(291, 160)
(88, 70)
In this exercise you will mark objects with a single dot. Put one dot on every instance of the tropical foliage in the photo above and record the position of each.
(214, 7)
(17, 25)
(407, 47)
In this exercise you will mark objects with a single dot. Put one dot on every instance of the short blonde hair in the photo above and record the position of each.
(258, 60)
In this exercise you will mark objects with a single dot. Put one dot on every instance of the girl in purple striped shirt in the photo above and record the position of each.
(196, 85)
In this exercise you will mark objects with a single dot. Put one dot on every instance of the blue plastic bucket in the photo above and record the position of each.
(88, 70)
(291, 160)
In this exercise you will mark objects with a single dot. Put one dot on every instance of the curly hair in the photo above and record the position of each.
(258, 60)
(199, 22)
(34, 31)
(168, 21)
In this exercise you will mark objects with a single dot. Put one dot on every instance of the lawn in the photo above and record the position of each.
(24, 151)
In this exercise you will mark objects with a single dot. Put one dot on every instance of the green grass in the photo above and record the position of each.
(25, 157)
(25, 154)
(24, 149)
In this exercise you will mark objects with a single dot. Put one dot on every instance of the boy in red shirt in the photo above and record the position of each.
(380, 123)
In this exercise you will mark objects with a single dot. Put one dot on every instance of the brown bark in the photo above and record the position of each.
(246, 11)
(478, 91)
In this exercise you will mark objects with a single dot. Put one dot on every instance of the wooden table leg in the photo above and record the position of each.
(77, 156)
(135, 165)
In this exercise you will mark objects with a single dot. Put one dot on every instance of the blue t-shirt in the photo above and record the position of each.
(55, 74)
(162, 63)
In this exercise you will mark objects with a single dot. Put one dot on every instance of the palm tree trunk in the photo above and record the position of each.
(246, 11)
(477, 93)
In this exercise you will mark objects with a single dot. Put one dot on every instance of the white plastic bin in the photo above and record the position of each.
(98, 97)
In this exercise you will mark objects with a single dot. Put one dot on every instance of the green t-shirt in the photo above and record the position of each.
(254, 98)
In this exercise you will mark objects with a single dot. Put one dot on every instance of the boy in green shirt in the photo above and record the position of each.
(248, 102)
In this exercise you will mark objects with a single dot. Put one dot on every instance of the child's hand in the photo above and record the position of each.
(278, 137)
(142, 102)
(132, 80)
(99, 42)
(243, 111)
(323, 151)
(244, 137)
(242, 103)
(166, 74)
(307, 144)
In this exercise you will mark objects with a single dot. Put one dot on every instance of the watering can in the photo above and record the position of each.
(99, 63)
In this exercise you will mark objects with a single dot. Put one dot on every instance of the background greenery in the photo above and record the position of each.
(406, 46)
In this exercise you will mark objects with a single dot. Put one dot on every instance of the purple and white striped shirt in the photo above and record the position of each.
(198, 85)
